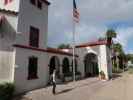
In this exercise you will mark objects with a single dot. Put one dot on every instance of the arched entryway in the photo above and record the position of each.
(65, 65)
(91, 65)
(54, 64)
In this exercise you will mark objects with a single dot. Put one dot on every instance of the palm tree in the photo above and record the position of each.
(109, 35)
(64, 46)
(101, 38)
(118, 48)
(120, 55)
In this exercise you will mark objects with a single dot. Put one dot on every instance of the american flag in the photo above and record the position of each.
(75, 12)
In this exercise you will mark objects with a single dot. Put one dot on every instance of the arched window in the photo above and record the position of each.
(54, 64)
(65, 66)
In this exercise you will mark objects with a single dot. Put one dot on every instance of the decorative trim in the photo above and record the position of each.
(8, 11)
(55, 51)
(46, 2)
(104, 42)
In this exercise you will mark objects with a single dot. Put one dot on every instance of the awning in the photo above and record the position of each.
(2, 18)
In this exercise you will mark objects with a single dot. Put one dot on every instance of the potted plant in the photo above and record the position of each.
(102, 75)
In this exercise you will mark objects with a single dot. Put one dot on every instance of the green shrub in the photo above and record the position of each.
(77, 73)
(6, 91)
(130, 70)
(115, 70)
(69, 74)
(102, 73)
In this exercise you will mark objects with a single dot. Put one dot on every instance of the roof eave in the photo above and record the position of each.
(9, 12)
(46, 2)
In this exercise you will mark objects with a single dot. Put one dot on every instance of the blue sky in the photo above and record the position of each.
(96, 16)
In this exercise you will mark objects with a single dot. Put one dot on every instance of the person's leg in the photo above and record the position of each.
(54, 86)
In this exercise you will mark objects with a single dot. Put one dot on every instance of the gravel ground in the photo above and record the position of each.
(120, 88)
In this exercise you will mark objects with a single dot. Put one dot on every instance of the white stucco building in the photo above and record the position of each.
(24, 56)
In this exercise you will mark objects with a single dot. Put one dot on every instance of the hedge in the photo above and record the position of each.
(6, 91)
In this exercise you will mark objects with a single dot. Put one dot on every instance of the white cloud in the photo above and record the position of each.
(94, 15)
(129, 52)
(124, 35)
(87, 33)
(100, 11)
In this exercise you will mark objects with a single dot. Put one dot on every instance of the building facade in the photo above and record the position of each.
(24, 56)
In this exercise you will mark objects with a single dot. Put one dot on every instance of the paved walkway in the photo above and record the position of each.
(119, 89)
(89, 89)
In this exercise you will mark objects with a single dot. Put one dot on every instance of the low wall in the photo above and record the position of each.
(7, 66)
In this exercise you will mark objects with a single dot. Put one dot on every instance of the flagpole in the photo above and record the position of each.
(74, 78)
(75, 19)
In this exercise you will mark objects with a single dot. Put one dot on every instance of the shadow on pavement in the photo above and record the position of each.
(116, 76)
(64, 91)
(21, 98)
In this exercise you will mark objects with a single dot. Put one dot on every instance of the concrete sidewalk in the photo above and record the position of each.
(89, 89)
(119, 89)
(65, 91)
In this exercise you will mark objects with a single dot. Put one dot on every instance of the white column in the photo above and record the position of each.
(103, 60)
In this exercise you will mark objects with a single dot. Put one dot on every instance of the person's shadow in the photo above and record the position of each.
(64, 91)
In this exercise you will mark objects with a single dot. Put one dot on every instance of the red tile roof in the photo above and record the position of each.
(49, 50)
(95, 43)
(59, 51)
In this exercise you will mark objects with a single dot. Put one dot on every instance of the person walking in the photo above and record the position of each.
(54, 81)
